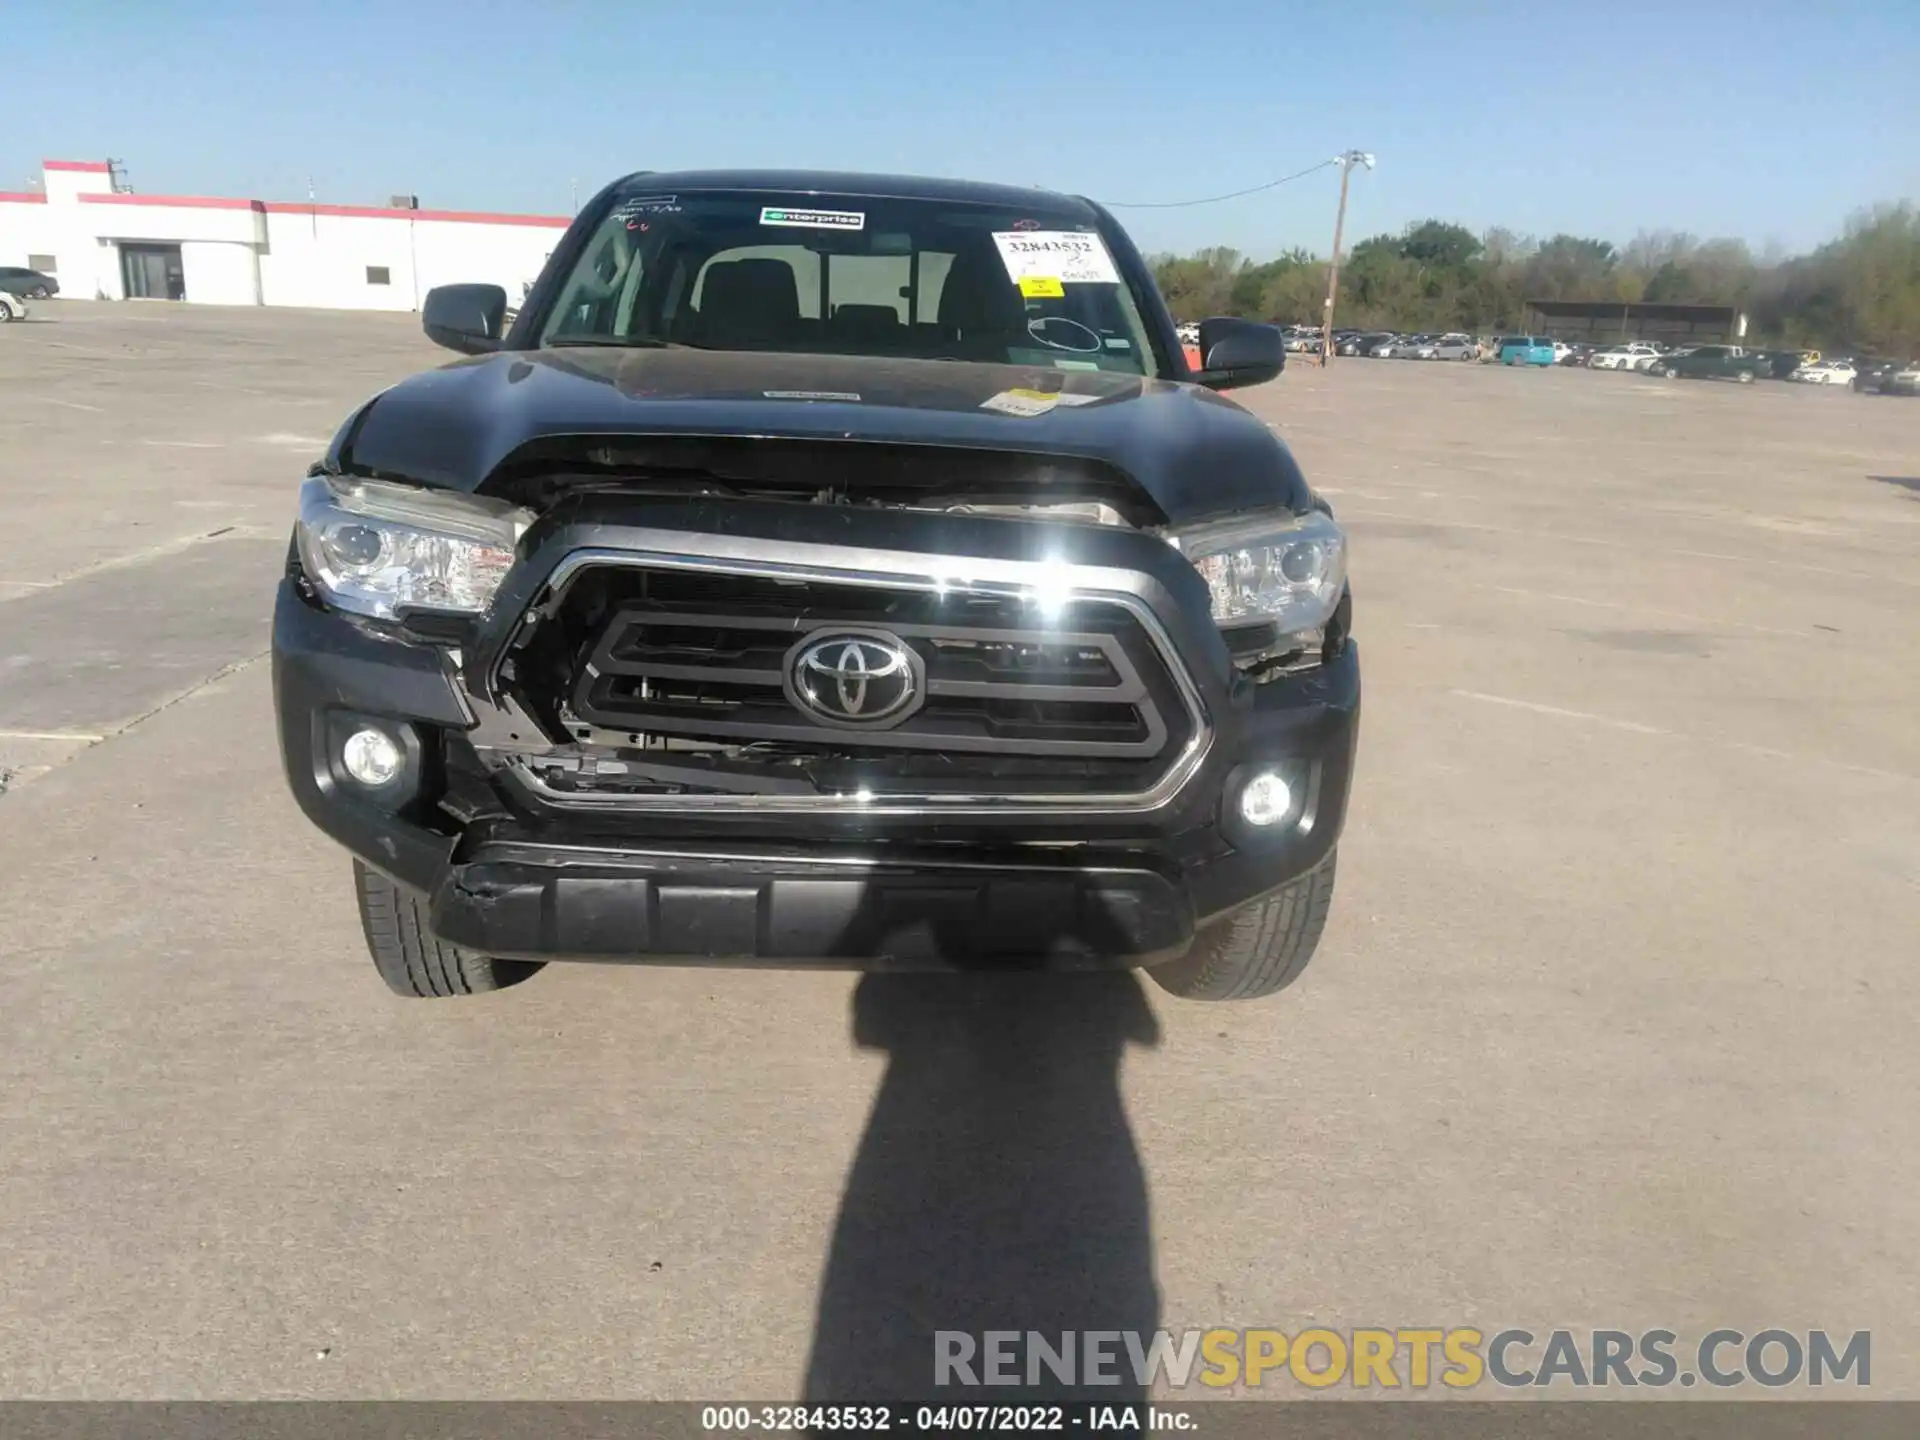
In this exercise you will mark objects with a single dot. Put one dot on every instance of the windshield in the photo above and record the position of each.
(852, 275)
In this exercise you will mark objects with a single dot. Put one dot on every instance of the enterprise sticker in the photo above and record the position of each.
(814, 219)
(1075, 257)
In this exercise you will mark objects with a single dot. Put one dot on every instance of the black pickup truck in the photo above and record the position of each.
(1713, 362)
(824, 570)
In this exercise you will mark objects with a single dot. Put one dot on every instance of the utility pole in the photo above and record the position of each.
(1347, 161)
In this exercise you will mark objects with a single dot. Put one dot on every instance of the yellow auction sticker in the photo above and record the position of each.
(1041, 287)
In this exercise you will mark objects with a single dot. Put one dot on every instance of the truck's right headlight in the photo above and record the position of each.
(1286, 569)
(380, 549)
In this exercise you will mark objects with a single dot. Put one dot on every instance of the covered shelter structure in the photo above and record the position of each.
(1609, 322)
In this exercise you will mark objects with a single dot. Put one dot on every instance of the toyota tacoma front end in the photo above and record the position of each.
(824, 571)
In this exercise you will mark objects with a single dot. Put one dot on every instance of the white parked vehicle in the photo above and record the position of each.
(12, 307)
(1826, 372)
(1448, 347)
(1636, 356)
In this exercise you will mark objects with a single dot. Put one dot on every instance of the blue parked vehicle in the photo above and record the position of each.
(1525, 350)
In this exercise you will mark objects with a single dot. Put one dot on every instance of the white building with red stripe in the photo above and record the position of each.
(104, 243)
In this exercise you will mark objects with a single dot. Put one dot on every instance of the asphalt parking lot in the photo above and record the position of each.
(1610, 1026)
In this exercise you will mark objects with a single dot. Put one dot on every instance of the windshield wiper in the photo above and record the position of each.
(620, 342)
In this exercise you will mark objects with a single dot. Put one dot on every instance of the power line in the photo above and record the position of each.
(1216, 199)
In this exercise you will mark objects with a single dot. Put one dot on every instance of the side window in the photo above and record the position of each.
(934, 265)
(589, 304)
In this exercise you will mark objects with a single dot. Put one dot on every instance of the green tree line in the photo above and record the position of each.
(1860, 291)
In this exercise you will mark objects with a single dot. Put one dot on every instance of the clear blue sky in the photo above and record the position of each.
(1767, 120)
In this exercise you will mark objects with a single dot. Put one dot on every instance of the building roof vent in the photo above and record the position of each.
(405, 202)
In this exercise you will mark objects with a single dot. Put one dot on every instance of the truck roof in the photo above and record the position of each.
(842, 182)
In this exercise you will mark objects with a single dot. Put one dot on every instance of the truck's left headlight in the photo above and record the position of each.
(1286, 569)
(380, 549)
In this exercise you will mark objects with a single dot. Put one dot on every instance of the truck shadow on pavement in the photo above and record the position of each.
(997, 1185)
(1908, 483)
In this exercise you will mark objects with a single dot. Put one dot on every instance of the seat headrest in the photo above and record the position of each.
(749, 300)
(978, 298)
(867, 322)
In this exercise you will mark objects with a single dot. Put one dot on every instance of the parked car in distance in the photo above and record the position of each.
(1525, 350)
(1449, 347)
(1870, 375)
(1633, 356)
(1781, 364)
(1825, 372)
(1903, 381)
(1363, 343)
(1714, 362)
(27, 284)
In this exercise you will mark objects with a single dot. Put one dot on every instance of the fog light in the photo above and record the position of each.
(374, 758)
(1266, 799)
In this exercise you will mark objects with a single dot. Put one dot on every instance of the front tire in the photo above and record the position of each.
(7, 313)
(1259, 950)
(409, 958)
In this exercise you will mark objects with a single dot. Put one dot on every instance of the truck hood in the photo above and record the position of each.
(1195, 454)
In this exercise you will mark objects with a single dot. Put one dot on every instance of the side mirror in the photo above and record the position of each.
(1239, 352)
(466, 318)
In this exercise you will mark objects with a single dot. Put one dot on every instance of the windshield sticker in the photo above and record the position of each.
(1028, 403)
(1073, 256)
(632, 209)
(1022, 402)
(1076, 364)
(1119, 344)
(842, 395)
(814, 219)
(1041, 287)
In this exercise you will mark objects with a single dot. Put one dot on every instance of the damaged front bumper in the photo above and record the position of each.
(516, 871)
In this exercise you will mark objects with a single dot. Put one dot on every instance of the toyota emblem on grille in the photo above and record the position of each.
(866, 679)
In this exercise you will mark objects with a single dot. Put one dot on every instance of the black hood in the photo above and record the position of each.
(1192, 452)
